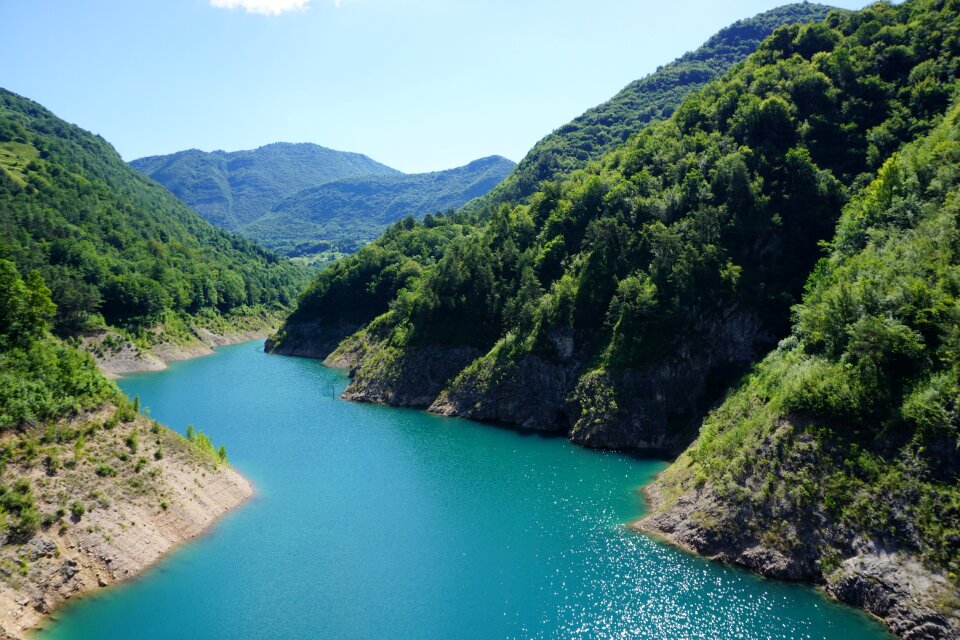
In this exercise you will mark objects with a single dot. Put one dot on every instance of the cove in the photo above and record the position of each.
(377, 522)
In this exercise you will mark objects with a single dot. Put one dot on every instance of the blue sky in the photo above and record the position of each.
(417, 84)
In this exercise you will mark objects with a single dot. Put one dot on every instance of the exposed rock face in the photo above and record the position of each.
(914, 601)
(628, 409)
(656, 408)
(659, 407)
(412, 378)
(315, 339)
(121, 531)
(531, 394)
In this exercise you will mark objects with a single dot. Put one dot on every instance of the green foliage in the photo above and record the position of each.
(703, 224)
(105, 470)
(132, 441)
(870, 378)
(650, 99)
(113, 246)
(363, 285)
(202, 445)
(77, 509)
(343, 215)
(233, 189)
(19, 511)
(41, 378)
(126, 410)
(360, 287)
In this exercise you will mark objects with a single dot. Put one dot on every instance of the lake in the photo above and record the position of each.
(378, 522)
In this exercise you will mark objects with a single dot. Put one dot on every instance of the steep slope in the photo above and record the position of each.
(642, 102)
(344, 296)
(838, 459)
(618, 305)
(655, 97)
(118, 250)
(232, 189)
(90, 491)
(346, 214)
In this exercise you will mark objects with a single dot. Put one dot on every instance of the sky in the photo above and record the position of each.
(420, 85)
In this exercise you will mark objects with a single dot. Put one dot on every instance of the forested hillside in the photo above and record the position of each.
(572, 146)
(231, 189)
(655, 97)
(843, 445)
(114, 247)
(41, 379)
(339, 217)
(637, 290)
(622, 303)
(84, 476)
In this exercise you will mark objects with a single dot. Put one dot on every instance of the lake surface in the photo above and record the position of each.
(375, 522)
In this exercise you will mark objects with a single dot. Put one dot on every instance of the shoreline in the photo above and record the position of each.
(120, 538)
(52, 617)
(876, 583)
(42, 624)
(129, 359)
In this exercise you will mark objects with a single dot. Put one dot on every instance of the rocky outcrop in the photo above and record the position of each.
(659, 407)
(108, 523)
(529, 392)
(629, 409)
(914, 601)
(655, 409)
(413, 377)
(314, 339)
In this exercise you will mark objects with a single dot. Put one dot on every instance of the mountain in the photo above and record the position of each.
(838, 459)
(655, 97)
(231, 189)
(115, 248)
(346, 214)
(80, 464)
(316, 325)
(622, 303)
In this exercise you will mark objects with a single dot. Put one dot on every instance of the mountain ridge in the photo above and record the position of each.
(118, 251)
(619, 304)
(346, 213)
(231, 188)
(649, 99)
(400, 249)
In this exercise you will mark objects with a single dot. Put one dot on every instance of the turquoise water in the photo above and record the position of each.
(375, 522)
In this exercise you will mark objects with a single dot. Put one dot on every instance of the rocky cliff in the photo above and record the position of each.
(915, 600)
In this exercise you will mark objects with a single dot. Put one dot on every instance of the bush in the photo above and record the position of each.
(105, 470)
(77, 509)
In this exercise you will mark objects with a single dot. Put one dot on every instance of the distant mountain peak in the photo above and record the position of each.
(232, 188)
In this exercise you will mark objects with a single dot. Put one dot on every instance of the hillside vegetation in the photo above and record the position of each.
(655, 97)
(570, 147)
(91, 491)
(845, 440)
(231, 189)
(114, 247)
(339, 217)
(646, 283)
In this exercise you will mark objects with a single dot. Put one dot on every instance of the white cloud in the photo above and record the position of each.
(263, 7)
